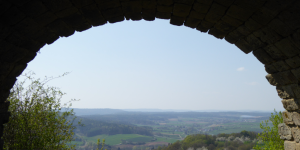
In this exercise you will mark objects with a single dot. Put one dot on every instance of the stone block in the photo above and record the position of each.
(291, 16)
(108, 4)
(232, 21)
(93, 15)
(252, 25)
(263, 56)
(163, 15)
(293, 62)
(281, 65)
(208, 2)
(254, 42)
(5, 47)
(14, 55)
(165, 2)
(60, 28)
(239, 12)
(296, 118)
(267, 35)
(285, 132)
(244, 46)
(148, 14)
(285, 92)
(57, 5)
(112, 13)
(263, 16)
(297, 146)
(295, 38)
(8, 83)
(270, 69)
(162, 8)
(4, 6)
(280, 27)
(192, 22)
(291, 104)
(33, 8)
(201, 8)
(285, 78)
(287, 47)
(296, 90)
(289, 145)
(17, 70)
(116, 19)
(296, 134)
(217, 33)
(27, 27)
(77, 22)
(188, 2)
(226, 3)
(196, 15)
(178, 21)
(205, 25)
(215, 13)
(6, 68)
(223, 27)
(236, 35)
(45, 18)
(12, 16)
(29, 57)
(80, 3)
(66, 12)
(271, 79)
(243, 30)
(274, 52)
(149, 4)
(231, 39)
(287, 117)
(5, 31)
(5, 116)
(4, 106)
(296, 73)
(253, 4)
(181, 10)
(132, 7)
(278, 6)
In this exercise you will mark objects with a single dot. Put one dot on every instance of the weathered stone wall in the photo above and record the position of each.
(268, 28)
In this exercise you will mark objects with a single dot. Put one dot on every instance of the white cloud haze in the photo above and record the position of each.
(240, 69)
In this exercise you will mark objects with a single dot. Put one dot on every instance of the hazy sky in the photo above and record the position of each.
(141, 64)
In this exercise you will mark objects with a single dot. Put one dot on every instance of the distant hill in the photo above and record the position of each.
(95, 111)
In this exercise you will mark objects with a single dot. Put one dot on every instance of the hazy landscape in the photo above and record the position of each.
(126, 129)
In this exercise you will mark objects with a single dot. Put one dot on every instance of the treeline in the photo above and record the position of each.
(96, 127)
(210, 142)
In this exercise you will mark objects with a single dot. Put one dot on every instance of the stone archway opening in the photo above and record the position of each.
(269, 29)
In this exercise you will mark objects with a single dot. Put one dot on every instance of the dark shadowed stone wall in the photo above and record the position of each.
(268, 28)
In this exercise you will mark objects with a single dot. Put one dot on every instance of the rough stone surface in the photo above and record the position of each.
(285, 132)
(291, 104)
(288, 145)
(296, 134)
(269, 29)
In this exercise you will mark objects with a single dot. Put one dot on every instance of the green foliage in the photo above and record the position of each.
(270, 135)
(102, 145)
(209, 141)
(36, 121)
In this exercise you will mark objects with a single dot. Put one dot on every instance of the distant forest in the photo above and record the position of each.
(96, 127)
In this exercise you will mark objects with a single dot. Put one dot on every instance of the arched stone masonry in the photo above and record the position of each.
(268, 28)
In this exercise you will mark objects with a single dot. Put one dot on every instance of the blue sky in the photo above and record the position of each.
(141, 64)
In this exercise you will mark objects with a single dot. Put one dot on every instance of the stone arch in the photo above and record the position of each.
(268, 28)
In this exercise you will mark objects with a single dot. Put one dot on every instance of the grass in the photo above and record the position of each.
(140, 139)
(163, 139)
